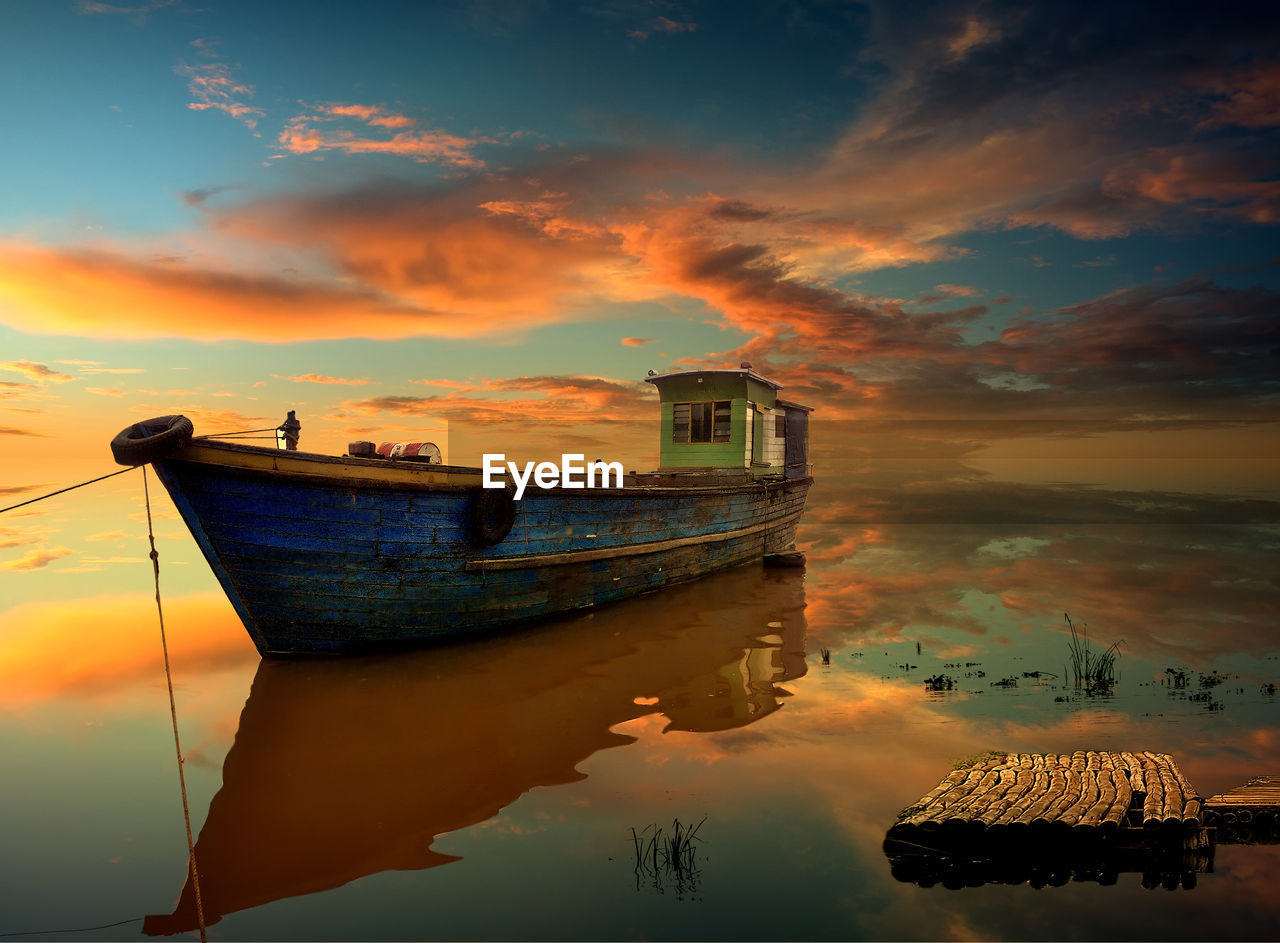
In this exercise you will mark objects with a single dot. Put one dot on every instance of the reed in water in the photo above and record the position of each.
(1094, 671)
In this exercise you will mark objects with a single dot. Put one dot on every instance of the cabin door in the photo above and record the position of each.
(757, 434)
(797, 450)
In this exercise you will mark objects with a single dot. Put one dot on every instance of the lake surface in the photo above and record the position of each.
(499, 790)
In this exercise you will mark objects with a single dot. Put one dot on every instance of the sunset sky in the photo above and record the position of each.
(1023, 259)
(382, 212)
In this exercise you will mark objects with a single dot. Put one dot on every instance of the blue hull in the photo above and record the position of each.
(318, 559)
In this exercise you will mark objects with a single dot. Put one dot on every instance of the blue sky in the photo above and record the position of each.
(914, 210)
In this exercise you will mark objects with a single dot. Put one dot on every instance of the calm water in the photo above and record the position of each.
(490, 791)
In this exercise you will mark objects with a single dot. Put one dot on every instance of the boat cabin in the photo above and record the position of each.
(731, 419)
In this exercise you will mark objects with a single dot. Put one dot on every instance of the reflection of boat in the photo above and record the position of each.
(321, 553)
(344, 768)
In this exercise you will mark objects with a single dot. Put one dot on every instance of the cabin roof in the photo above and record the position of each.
(787, 404)
(745, 373)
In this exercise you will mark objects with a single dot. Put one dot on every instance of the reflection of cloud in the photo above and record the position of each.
(93, 646)
(1165, 589)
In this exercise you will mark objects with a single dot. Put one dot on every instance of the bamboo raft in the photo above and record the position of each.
(1084, 792)
(1048, 819)
(1249, 813)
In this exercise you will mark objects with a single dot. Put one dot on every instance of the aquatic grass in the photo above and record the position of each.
(667, 859)
(1093, 671)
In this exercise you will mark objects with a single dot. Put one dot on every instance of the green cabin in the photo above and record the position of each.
(727, 419)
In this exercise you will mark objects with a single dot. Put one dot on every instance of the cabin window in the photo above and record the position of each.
(721, 426)
(780, 426)
(702, 422)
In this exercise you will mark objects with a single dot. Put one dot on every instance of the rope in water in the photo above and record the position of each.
(173, 714)
(101, 926)
(14, 507)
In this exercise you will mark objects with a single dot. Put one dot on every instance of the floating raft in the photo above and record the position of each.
(1247, 814)
(1084, 792)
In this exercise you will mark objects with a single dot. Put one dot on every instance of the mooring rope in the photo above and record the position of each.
(14, 507)
(224, 435)
(173, 714)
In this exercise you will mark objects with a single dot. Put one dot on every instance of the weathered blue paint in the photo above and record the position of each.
(319, 564)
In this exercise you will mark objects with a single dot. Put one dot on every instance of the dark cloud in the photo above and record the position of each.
(1099, 119)
(1197, 342)
(738, 211)
(1198, 349)
(198, 198)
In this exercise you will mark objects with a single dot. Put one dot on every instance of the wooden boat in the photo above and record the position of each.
(326, 553)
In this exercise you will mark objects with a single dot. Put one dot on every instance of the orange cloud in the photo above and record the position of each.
(1214, 181)
(317, 378)
(204, 418)
(596, 415)
(636, 341)
(302, 136)
(100, 294)
(564, 399)
(37, 371)
(492, 267)
(213, 87)
(370, 114)
(35, 559)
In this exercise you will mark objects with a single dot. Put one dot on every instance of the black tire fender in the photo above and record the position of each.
(493, 512)
(151, 439)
